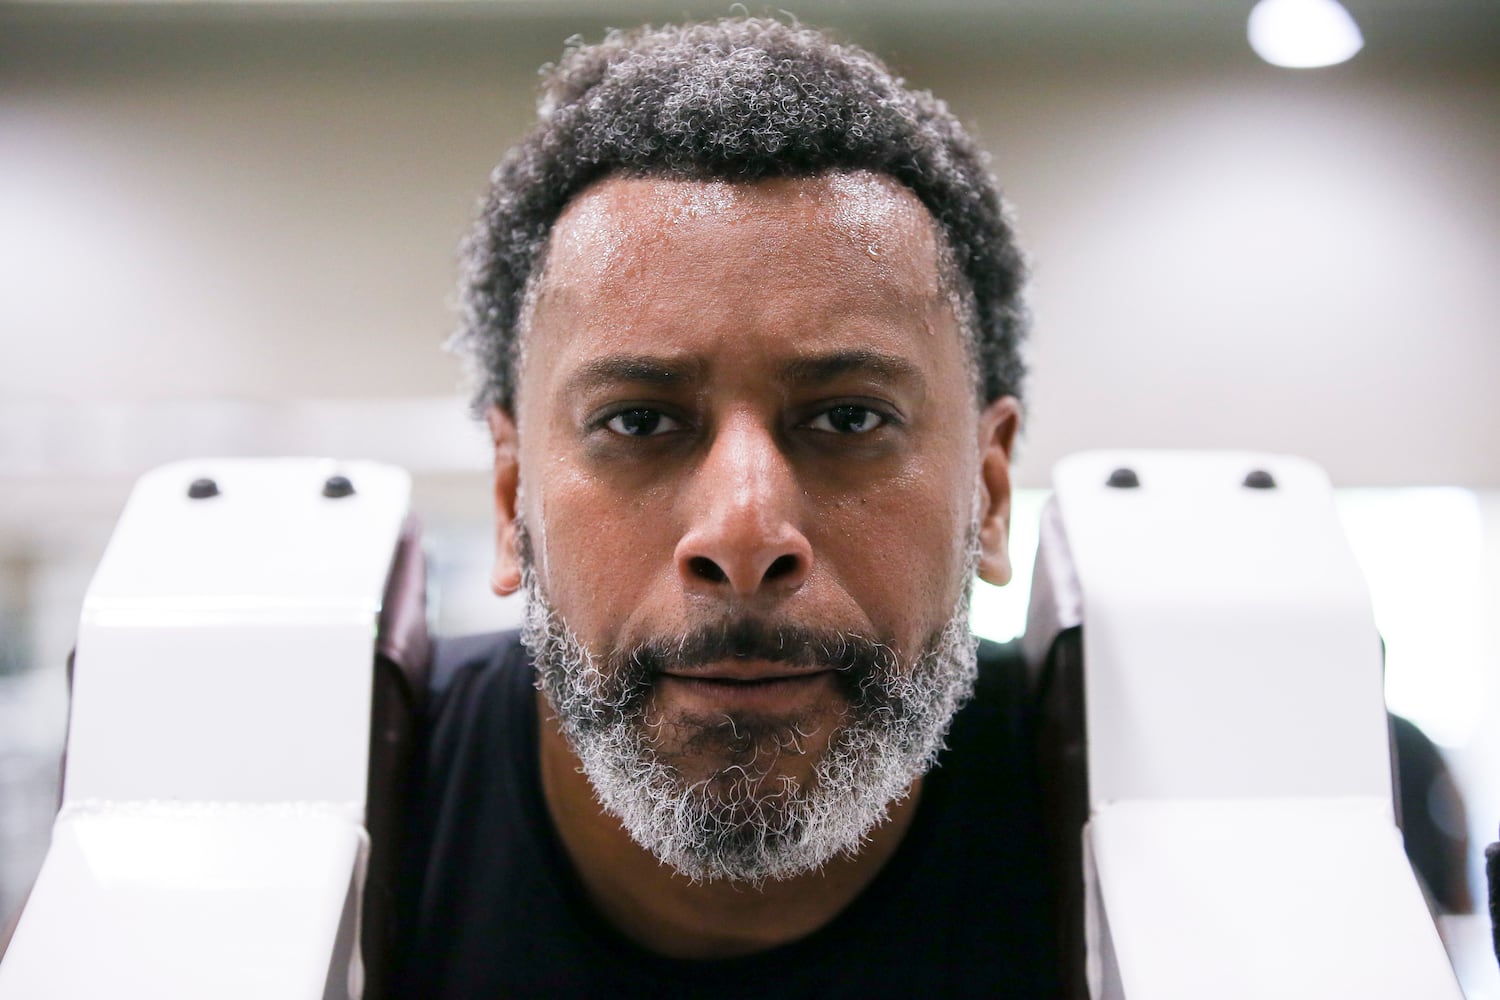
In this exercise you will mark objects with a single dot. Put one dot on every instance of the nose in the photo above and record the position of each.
(742, 538)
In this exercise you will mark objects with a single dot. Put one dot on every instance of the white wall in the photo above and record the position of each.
(1271, 261)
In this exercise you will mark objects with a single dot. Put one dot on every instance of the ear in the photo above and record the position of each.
(997, 436)
(505, 579)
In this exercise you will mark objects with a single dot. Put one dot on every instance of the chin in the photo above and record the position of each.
(776, 755)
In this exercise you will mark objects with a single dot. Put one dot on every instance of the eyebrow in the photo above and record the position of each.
(653, 370)
(642, 369)
(827, 367)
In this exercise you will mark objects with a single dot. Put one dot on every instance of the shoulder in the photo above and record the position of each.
(992, 736)
(478, 687)
(469, 671)
(1000, 713)
(457, 661)
(1002, 663)
(480, 707)
(474, 823)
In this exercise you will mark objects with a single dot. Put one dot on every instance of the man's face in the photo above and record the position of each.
(746, 428)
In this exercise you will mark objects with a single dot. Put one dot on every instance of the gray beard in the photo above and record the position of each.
(739, 822)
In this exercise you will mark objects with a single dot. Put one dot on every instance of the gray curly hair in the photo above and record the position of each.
(738, 99)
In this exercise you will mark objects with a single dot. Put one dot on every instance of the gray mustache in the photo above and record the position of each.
(748, 638)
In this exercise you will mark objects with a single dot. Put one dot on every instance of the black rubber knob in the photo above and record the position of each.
(202, 489)
(336, 487)
(1123, 479)
(1259, 479)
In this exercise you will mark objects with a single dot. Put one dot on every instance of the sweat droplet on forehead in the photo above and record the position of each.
(700, 199)
(861, 206)
(589, 234)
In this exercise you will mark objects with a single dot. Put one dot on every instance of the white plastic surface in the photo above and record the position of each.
(1284, 899)
(213, 902)
(211, 841)
(239, 713)
(1242, 843)
(269, 547)
(226, 644)
(1229, 644)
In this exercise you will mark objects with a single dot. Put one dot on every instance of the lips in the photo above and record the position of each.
(741, 672)
(757, 687)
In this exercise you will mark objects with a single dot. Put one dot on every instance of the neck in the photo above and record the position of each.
(669, 914)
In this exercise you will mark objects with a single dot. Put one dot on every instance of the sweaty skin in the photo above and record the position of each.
(743, 400)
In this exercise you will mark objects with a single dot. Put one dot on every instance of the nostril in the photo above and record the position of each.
(783, 566)
(707, 569)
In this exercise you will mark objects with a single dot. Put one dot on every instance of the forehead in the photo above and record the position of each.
(867, 224)
(869, 209)
(773, 265)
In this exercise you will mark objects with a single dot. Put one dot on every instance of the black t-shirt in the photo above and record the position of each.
(493, 907)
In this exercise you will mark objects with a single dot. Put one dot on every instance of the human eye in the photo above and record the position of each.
(848, 418)
(641, 421)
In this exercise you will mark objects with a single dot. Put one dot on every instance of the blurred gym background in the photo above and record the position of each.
(230, 228)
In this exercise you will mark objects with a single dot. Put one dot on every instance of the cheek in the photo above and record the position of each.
(899, 549)
(606, 553)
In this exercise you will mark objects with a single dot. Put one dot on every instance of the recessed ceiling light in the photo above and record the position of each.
(1302, 34)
